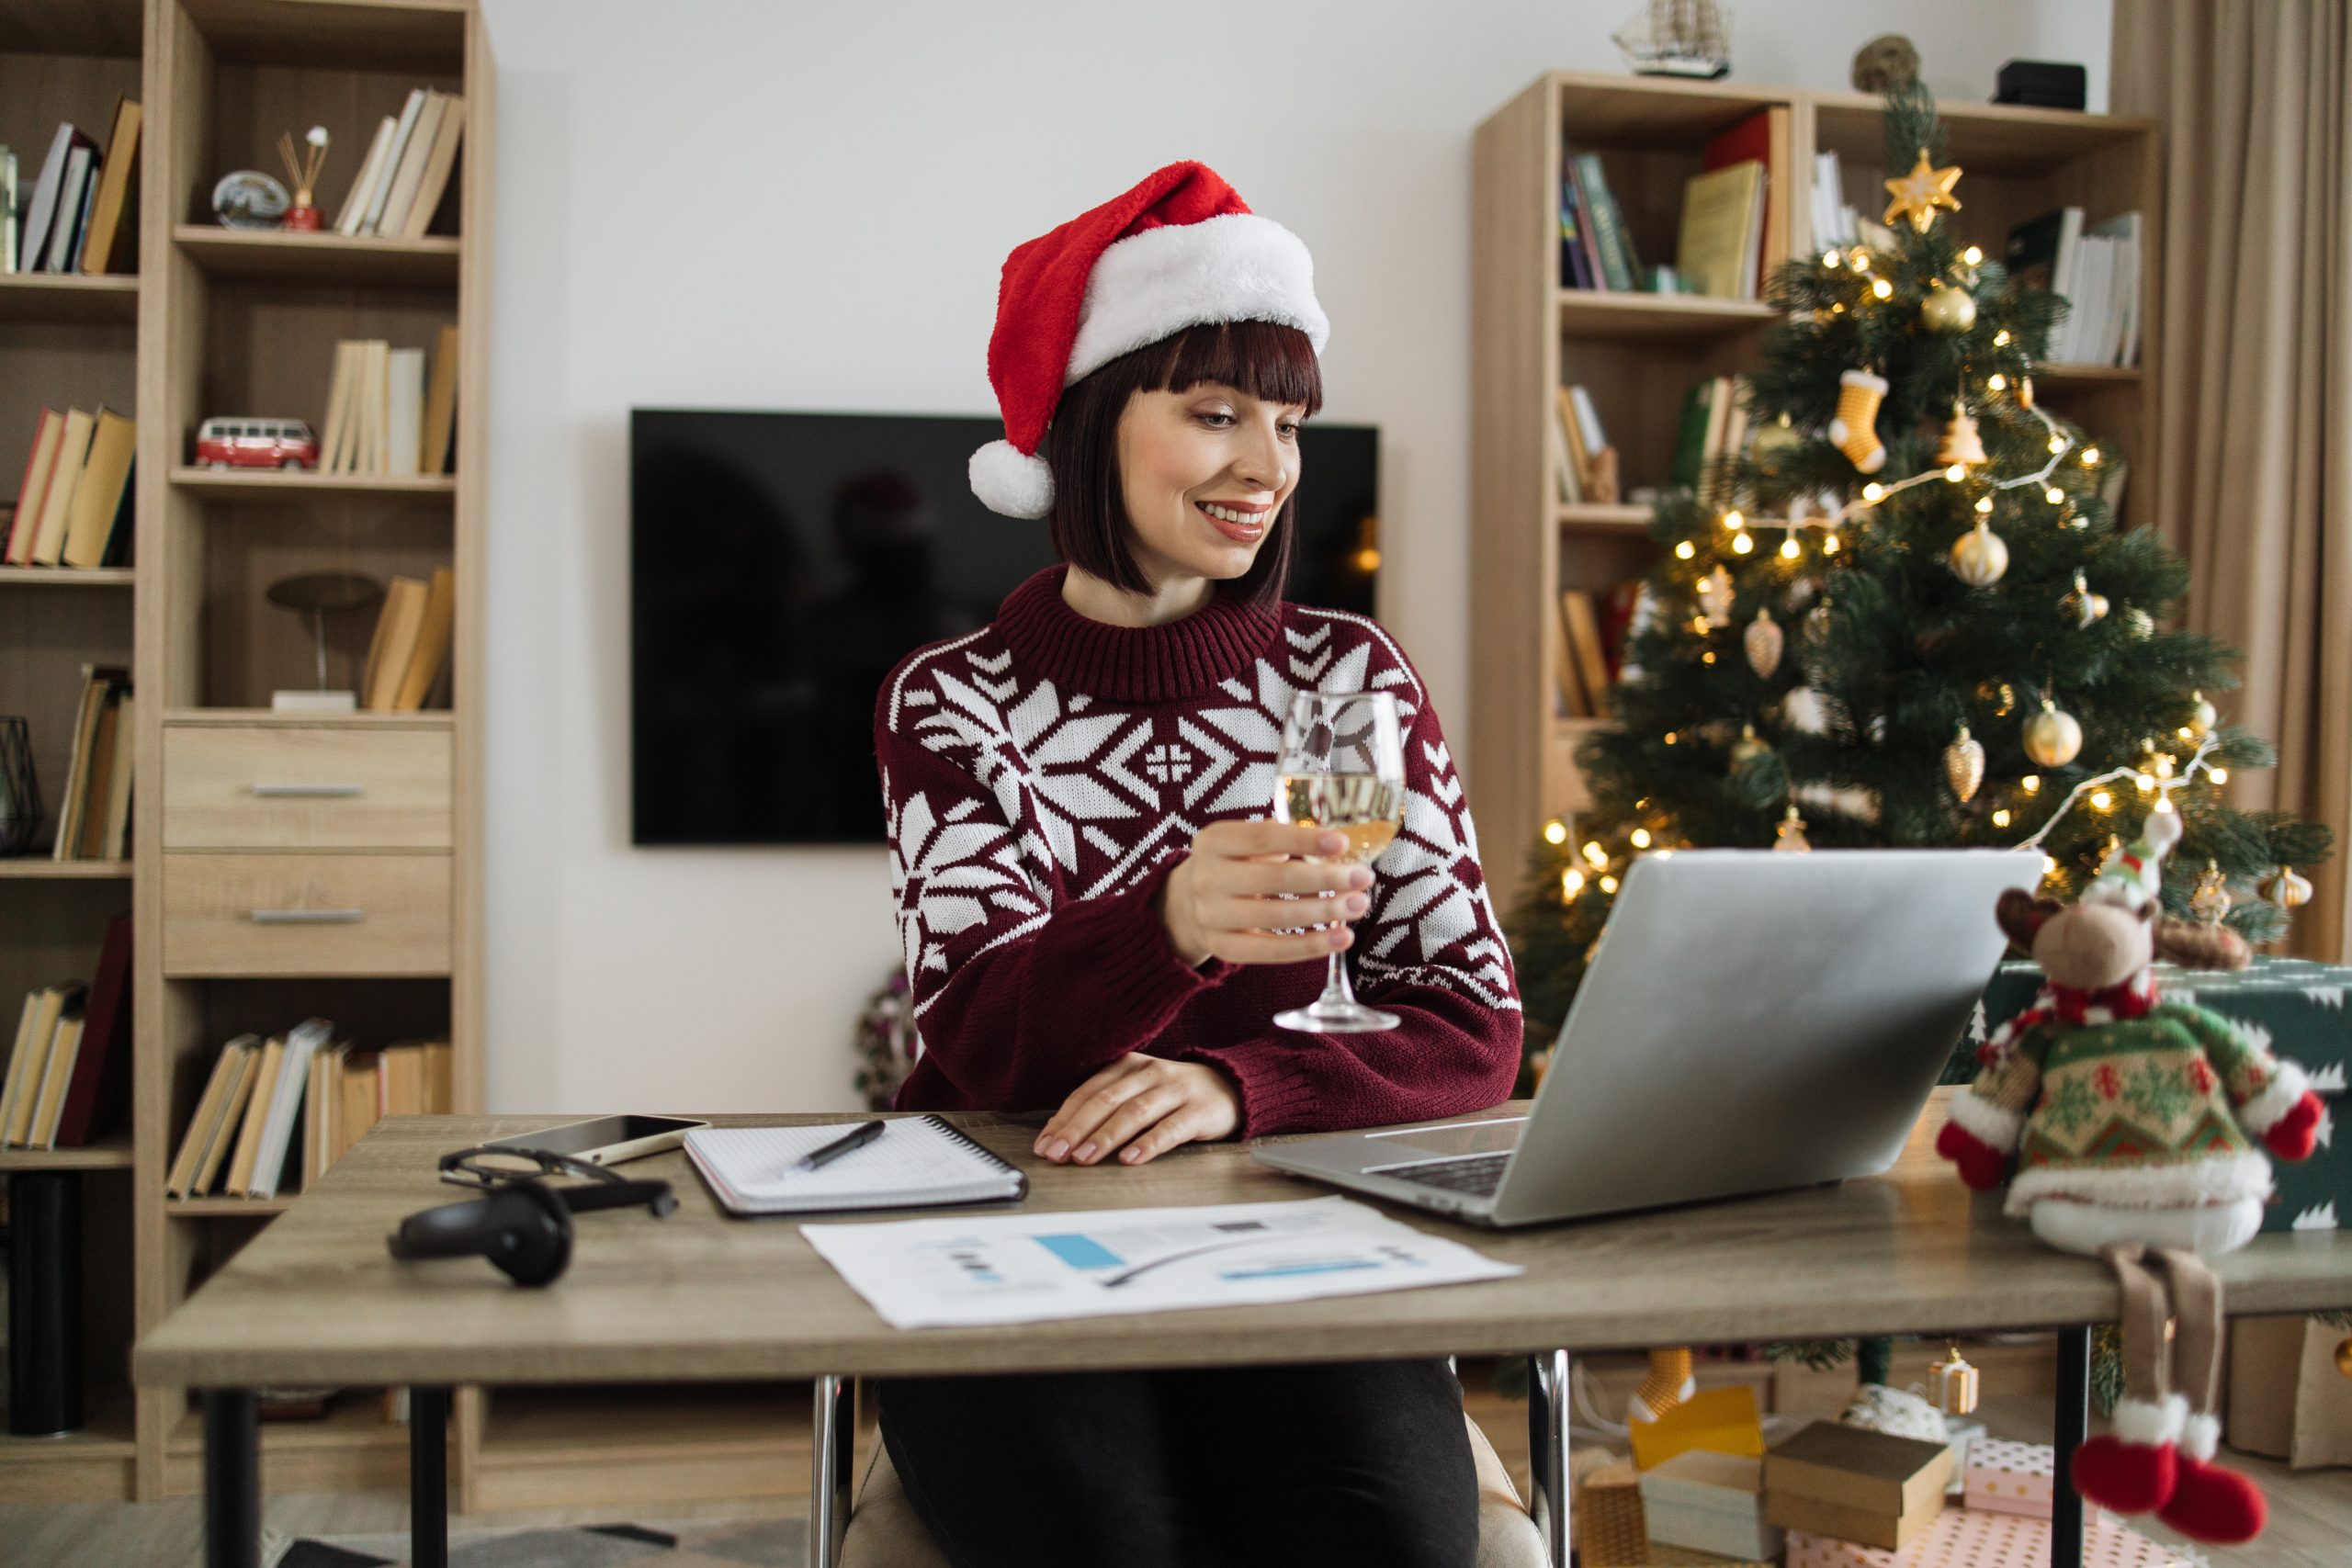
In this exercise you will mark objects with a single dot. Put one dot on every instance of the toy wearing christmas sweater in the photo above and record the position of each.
(2139, 1127)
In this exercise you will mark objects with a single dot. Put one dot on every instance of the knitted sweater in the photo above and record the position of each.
(1044, 774)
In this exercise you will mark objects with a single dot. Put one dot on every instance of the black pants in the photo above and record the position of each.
(1365, 1463)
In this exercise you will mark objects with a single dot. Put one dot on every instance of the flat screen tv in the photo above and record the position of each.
(780, 564)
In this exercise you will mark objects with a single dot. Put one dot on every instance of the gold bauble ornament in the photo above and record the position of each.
(1918, 194)
(1980, 556)
(1763, 641)
(1771, 444)
(2344, 1357)
(2284, 888)
(1948, 309)
(2211, 900)
(1789, 838)
(2201, 717)
(1964, 766)
(1747, 747)
(2051, 736)
(1961, 444)
(2083, 606)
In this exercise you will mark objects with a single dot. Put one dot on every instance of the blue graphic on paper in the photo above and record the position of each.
(1080, 1251)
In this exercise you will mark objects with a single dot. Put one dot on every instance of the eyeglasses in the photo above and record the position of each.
(490, 1168)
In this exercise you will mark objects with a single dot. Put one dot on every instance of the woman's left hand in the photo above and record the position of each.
(1138, 1107)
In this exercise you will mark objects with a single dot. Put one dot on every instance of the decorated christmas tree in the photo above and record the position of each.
(1905, 616)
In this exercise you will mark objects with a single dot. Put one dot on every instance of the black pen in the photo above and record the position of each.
(856, 1137)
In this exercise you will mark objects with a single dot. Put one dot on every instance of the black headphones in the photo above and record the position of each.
(524, 1226)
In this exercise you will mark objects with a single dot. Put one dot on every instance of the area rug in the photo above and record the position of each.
(759, 1543)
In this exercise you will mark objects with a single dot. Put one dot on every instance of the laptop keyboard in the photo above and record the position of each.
(1476, 1175)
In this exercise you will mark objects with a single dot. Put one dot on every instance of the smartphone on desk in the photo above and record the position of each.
(604, 1140)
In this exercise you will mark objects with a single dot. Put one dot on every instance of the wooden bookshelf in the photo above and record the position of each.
(1639, 353)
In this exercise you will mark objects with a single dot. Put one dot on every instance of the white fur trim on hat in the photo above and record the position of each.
(2289, 1084)
(2151, 1423)
(2188, 1183)
(2200, 1436)
(1986, 1123)
(1012, 483)
(1235, 267)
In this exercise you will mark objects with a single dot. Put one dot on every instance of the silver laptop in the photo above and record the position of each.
(1750, 1022)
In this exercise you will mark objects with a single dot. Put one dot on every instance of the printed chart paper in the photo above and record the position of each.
(936, 1273)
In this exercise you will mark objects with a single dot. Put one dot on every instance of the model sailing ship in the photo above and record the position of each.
(1677, 38)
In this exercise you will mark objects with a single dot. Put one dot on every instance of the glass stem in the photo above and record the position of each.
(1335, 991)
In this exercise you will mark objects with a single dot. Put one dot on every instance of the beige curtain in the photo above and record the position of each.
(2253, 448)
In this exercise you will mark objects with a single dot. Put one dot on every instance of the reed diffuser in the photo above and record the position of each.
(303, 172)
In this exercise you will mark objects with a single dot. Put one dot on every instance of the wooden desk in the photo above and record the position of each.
(699, 1296)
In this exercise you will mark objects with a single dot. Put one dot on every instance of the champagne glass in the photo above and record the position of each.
(1342, 766)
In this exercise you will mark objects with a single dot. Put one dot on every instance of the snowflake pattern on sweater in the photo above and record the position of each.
(1043, 774)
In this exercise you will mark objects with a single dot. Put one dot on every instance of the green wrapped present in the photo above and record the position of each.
(2299, 1002)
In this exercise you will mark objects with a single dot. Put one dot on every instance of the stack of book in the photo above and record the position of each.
(1713, 428)
(73, 503)
(401, 181)
(1835, 222)
(383, 416)
(1595, 250)
(1727, 244)
(1582, 456)
(68, 1074)
(409, 652)
(83, 212)
(243, 1130)
(93, 818)
(2096, 267)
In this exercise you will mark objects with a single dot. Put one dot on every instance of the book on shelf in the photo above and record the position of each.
(1620, 266)
(299, 1102)
(8, 210)
(73, 503)
(387, 414)
(51, 1015)
(111, 241)
(410, 649)
(1713, 428)
(407, 171)
(100, 1089)
(93, 813)
(1580, 628)
(1591, 469)
(2096, 268)
(1763, 138)
(54, 204)
(1722, 230)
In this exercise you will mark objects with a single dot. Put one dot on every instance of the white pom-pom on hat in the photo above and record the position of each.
(1011, 482)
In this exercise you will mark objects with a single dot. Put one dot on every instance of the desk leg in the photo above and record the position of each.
(833, 1425)
(2070, 1427)
(428, 1477)
(232, 1478)
(1547, 1451)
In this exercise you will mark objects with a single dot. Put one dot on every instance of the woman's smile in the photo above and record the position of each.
(1229, 521)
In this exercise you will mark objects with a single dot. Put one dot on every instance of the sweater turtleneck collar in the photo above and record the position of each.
(1170, 662)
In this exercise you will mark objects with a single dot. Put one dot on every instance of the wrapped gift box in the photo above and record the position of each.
(2010, 1478)
(1710, 1502)
(2287, 1399)
(2300, 1002)
(1607, 1514)
(1973, 1538)
(1870, 1487)
(1724, 1420)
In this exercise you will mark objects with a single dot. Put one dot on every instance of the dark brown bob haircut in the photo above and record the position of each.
(1091, 530)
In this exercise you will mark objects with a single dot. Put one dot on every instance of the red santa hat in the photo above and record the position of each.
(1178, 250)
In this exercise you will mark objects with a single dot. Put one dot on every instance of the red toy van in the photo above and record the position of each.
(256, 443)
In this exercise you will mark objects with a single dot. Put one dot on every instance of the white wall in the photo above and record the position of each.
(753, 204)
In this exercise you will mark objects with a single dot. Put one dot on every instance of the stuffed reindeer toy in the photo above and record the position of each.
(2139, 1127)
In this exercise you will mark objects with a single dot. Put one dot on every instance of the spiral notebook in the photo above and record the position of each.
(918, 1162)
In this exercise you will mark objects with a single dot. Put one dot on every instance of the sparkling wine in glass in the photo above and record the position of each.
(1342, 767)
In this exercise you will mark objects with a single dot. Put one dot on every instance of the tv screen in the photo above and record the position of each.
(780, 564)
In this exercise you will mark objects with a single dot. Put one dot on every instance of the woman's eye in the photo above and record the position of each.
(1290, 431)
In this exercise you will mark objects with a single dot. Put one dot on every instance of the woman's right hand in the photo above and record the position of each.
(1220, 902)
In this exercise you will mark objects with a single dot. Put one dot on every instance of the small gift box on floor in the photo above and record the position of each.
(1974, 1539)
(1711, 1502)
(1607, 1514)
(2010, 1478)
(1872, 1488)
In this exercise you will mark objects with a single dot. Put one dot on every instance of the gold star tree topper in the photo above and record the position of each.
(1920, 192)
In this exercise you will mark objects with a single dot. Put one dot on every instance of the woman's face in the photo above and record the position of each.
(1181, 453)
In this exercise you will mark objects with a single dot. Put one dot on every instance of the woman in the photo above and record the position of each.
(1101, 920)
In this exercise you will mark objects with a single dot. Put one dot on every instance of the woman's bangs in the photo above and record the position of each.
(1273, 362)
